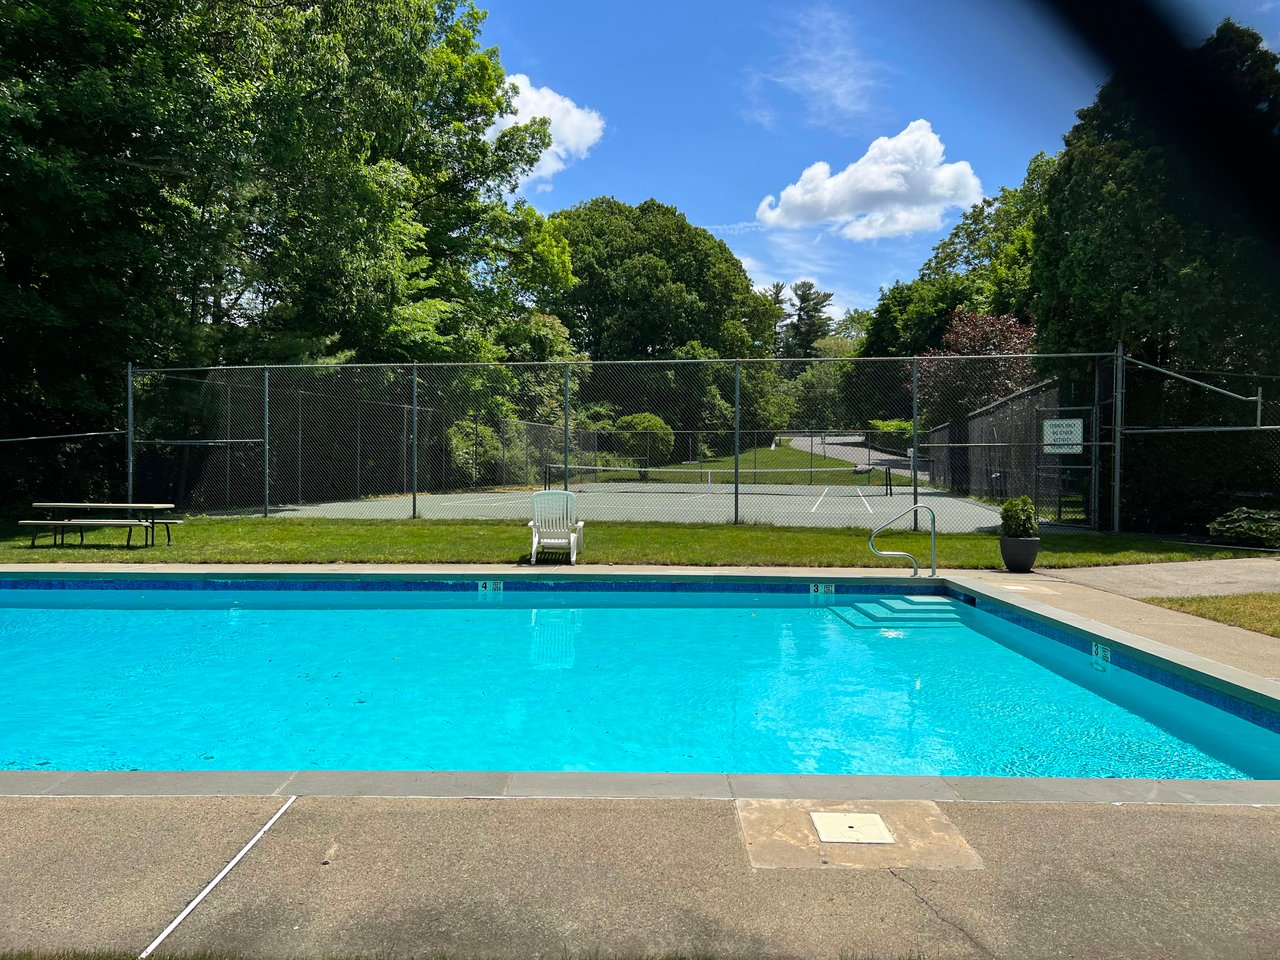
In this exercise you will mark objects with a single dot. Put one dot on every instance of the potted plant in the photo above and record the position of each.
(1019, 534)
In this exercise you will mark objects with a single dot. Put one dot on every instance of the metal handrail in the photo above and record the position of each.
(933, 540)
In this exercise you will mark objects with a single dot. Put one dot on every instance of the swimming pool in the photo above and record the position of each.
(679, 676)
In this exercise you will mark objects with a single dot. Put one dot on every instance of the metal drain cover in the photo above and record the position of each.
(851, 828)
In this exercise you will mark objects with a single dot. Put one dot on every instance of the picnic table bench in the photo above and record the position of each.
(136, 515)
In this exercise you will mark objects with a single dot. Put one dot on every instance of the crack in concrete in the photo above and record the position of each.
(982, 948)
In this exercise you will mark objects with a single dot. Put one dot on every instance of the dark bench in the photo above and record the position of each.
(59, 528)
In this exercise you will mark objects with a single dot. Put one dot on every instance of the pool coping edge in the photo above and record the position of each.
(495, 785)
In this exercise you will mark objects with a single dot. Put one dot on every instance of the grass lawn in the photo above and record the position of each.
(797, 463)
(279, 540)
(759, 465)
(1253, 611)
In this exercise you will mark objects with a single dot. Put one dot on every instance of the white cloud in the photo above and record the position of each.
(820, 65)
(574, 129)
(900, 185)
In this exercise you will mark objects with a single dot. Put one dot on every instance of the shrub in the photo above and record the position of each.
(1255, 528)
(892, 435)
(1018, 518)
(475, 455)
(645, 438)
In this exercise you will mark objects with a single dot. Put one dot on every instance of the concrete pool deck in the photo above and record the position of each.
(565, 878)
(1128, 869)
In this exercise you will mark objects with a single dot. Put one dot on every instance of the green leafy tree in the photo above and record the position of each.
(993, 245)
(645, 438)
(853, 324)
(648, 282)
(1133, 245)
(910, 318)
(253, 182)
(834, 347)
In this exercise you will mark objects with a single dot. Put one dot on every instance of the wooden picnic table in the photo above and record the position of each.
(137, 515)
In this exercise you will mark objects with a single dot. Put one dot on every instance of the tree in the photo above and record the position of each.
(1133, 245)
(992, 245)
(809, 320)
(780, 305)
(253, 182)
(645, 438)
(910, 318)
(648, 282)
(853, 324)
(949, 390)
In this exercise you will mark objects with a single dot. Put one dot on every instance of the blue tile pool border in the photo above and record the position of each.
(1219, 692)
(384, 584)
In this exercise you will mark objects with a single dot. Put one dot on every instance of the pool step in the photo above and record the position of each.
(885, 612)
(927, 605)
(903, 608)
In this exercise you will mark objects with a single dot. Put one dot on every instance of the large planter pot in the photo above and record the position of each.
(1019, 553)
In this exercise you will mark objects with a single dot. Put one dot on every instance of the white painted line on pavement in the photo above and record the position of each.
(215, 881)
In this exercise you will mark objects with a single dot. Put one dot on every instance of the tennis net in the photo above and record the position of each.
(694, 479)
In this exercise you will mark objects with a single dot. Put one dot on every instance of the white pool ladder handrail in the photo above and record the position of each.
(933, 540)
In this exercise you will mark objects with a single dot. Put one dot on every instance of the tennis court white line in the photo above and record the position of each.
(494, 500)
(814, 508)
(864, 500)
(215, 881)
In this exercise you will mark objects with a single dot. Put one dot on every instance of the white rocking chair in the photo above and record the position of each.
(555, 524)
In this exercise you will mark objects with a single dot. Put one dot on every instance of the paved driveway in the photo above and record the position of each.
(1194, 578)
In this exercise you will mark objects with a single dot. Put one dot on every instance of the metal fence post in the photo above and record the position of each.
(226, 479)
(1095, 475)
(129, 433)
(566, 426)
(266, 441)
(915, 440)
(299, 445)
(1118, 430)
(415, 441)
(737, 434)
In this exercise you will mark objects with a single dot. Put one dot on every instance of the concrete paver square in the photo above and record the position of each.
(98, 873)
(782, 834)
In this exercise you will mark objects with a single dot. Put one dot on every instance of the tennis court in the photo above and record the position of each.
(838, 502)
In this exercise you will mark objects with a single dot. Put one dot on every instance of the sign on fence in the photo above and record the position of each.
(1063, 436)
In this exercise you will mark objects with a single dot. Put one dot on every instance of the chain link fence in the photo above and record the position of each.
(847, 443)
(1197, 444)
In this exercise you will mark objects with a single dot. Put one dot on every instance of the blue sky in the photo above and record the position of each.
(916, 107)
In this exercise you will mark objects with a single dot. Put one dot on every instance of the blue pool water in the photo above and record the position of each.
(606, 681)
